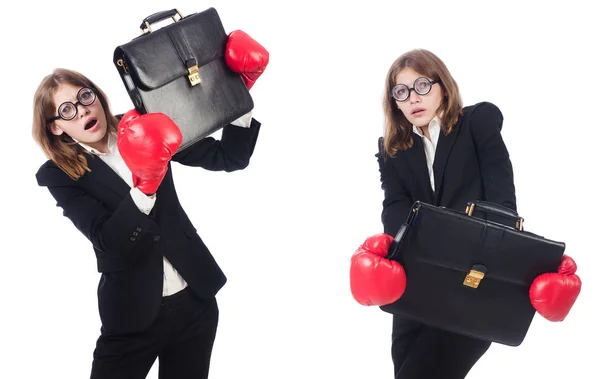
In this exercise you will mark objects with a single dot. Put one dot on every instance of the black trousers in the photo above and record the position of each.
(181, 337)
(422, 352)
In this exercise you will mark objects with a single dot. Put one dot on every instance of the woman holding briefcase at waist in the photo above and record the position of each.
(430, 153)
(112, 178)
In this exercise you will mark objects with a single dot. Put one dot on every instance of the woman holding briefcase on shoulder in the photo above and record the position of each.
(112, 178)
(430, 154)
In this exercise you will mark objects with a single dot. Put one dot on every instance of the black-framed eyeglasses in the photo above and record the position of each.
(67, 110)
(421, 86)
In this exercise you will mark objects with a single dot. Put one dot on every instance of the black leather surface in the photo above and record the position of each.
(157, 75)
(438, 247)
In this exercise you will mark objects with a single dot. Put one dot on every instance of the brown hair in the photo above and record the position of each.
(62, 150)
(398, 130)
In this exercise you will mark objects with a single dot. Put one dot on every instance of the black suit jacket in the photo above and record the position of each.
(471, 163)
(129, 245)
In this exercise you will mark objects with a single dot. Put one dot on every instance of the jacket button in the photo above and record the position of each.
(132, 239)
(135, 233)
(138, 229)
(156, 238)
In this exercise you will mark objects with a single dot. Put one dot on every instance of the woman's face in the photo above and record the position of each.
(419, 110)
(89, 123)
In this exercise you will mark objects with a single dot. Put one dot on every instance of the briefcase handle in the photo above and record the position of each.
(157, 17)
(394, 248)
(497, 209)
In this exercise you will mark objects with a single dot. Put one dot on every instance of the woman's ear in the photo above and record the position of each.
(55, 129)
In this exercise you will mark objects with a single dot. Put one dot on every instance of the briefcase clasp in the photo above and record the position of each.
(193, 75)
(474, 277)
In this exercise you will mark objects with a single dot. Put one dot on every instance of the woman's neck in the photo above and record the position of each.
(102, 145)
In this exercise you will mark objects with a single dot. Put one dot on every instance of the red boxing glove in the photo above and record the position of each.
(553, 294)
(246, 57)
(375, 280)
(147, 143)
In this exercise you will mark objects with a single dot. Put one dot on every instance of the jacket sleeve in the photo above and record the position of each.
(494, 160)
(397, 202)
(231, 153)
(122, 233)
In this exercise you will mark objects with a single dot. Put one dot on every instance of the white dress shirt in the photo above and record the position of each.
(430, 146)
(172, 281)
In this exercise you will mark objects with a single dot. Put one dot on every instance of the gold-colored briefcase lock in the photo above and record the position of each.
(475, 276)
(194, 75)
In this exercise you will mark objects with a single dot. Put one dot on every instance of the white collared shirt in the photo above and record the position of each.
(430, 146)
(172, 280)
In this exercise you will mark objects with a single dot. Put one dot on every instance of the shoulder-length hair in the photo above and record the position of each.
(397, 129)
(62, 150)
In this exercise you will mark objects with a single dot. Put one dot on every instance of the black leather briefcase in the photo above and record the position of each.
(469, 275)
(180, 70)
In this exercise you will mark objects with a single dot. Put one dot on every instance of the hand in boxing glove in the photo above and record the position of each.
(246, 57)
(375, 280)
(146, 143)
(553, 294)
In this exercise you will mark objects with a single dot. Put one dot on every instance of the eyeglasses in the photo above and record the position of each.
(67, 110)
(421, 86)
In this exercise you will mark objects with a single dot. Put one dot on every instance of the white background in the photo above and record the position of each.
(284, 229)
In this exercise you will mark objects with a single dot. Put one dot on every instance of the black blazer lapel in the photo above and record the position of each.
(103, 176)
(442, 151)
(417, 161)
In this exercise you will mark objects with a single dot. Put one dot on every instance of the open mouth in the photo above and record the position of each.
(90, 124)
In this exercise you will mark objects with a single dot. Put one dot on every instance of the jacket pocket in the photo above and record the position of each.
(110, 263)
(190, 231)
